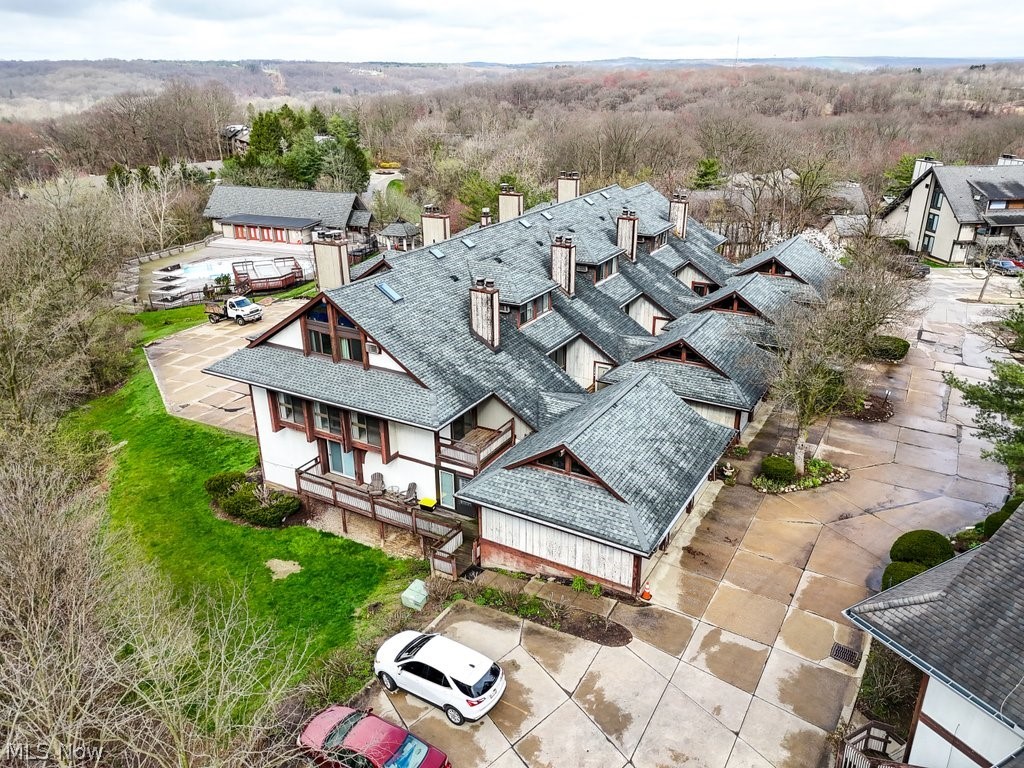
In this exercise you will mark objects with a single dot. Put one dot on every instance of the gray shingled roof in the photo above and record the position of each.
(671, 451)
(768, 295)
(356, 271)
(720, 340)
(333, 209)
(963, 621)
(429, 329)
(850, 226)
(800, 257)
(400, 228)
(388, 394)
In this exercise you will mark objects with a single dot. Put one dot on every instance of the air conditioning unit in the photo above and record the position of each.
(372, 349)
(505, 309)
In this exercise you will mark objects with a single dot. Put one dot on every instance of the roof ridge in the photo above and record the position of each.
(904, 602)
(624, 388)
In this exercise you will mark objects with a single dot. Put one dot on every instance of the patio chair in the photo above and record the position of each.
(410, 497)
(376, 487)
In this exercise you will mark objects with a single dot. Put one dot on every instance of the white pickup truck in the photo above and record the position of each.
(237, 308)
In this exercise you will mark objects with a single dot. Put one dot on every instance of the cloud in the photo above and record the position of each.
(474, 30)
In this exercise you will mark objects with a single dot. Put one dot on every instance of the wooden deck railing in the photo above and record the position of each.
(476, 454)
(445, 535)
(874, 745)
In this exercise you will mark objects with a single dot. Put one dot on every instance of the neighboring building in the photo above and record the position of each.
(291, 216)
(961, 624)
(236, 137)
(957, 214)
(425, 366)
(400, 235)
(842, 229)
(600, 489)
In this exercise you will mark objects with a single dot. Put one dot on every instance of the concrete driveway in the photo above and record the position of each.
(731, 666)
(177, 363)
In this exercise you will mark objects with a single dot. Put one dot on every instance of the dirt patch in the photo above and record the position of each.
(282, 569)
(589, 626)
(875, 409)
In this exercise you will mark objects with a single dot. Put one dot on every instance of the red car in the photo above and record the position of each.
(340, 737)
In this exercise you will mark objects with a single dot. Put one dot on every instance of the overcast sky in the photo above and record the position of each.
(509, 32)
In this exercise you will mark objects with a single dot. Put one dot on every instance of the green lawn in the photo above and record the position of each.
(156, 491)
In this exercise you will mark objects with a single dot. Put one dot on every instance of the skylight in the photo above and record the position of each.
(526, 223)
(437, 253)
(588, 201)
(390, 292)
(546, 215)
(468, 242)
(605, 195)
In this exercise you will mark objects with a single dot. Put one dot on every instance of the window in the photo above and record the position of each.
(365, 429)
(464, 424)
(997, 205)
(932, 223)
(702, 289)
(339, 461)
(319, 342)
(350, 349)
(606, 269)
(279, 235)
(290, 409)
(937, 198)
(239, 232)
(253, 234)
(318, 314)
(559, 357)
(327, 418)
(265, 233)
(534, 309)
(562, 461)
(337, 737)
(446, 486)
(927, 243)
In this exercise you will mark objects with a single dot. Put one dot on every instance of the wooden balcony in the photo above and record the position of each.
(478, 448)
(874, 745)
(445, 536)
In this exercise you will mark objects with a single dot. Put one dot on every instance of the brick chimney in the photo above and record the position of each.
(331, 260)
(568, 186)
(563, 264)
(678, 210)
(510, 203)
(485, 217)
(484, 312)
(435, 225)
(628, 226)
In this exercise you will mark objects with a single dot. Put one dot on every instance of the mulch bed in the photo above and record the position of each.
(875, 409)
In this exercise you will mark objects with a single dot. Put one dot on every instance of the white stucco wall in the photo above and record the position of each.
(289, 336)
(580, 356)
(644, 311)
(575, 552)
(688, 275)
(384, 360)
(980, 731)
(412, 441)
(493, 413)
(281, 452)
(400, 472)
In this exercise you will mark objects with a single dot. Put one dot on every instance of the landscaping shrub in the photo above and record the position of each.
(778, 468)
(244, 505)
(220, 485)
(995, 521)
(897, 572)
(891, 348)
(927, 548)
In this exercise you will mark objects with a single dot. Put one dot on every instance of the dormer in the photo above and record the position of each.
(774, 268)
(680, 353)
(530, 310)
(733, 302)
(328, 331)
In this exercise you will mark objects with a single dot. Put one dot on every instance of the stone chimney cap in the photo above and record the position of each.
(489, 282)
(479, 282)
(507, 188)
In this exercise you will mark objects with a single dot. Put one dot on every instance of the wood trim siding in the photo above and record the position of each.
(954, 741)
(917, 713)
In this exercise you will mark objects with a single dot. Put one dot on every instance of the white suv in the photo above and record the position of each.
(462, 682)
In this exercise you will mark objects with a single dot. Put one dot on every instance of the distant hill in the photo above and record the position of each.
(39, 89)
